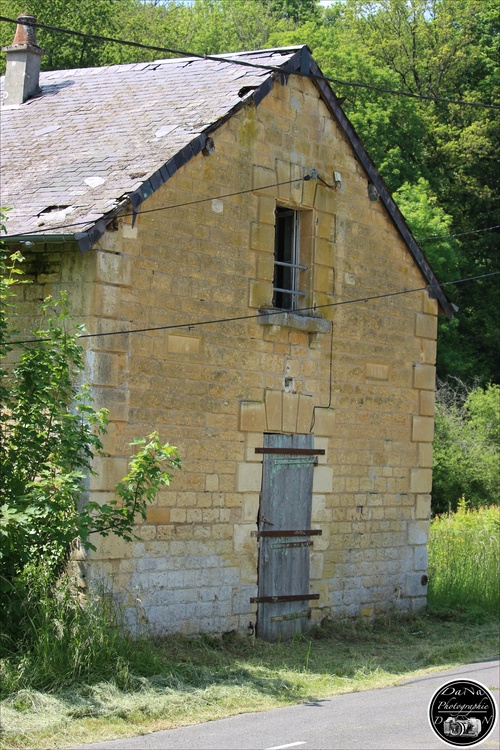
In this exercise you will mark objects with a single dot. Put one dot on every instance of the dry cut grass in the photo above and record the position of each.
(206, 678)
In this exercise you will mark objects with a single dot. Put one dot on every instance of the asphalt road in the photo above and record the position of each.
(384, 719)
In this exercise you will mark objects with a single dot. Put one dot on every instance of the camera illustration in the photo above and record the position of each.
(462, 726)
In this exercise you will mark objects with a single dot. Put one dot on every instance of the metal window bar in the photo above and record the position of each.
(293, 264)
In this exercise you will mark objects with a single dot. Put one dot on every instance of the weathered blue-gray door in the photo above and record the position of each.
(285, 536)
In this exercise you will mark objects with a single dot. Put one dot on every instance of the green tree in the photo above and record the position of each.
(466, 446)
(87, 16)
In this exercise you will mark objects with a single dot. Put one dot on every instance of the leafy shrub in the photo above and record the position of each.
(466, 446)
(49, 436)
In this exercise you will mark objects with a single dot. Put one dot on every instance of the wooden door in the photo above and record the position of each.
(285, 536)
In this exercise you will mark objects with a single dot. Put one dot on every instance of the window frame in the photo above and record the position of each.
(287, 242)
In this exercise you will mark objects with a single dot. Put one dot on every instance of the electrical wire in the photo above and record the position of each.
(313, 309)
(271, 68)
(18, 237)
(459, 234)
(306, 178)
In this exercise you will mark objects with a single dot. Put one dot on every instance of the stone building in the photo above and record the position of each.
(261, 303)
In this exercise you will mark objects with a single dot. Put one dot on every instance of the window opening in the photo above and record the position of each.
(286, 291)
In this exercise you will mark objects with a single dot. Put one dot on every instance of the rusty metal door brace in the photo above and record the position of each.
(293, 451)
(287, 598)
(288, 532)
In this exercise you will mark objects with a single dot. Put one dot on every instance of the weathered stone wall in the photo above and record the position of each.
(362, 379)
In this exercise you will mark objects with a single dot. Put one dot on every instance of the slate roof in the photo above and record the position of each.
(95, 135)
(97, 140)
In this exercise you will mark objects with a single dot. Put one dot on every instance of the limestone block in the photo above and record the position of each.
(426, 326)
(323, 479)
(418, 532)
(102, 367)
(429, 305)
(274, 410)
(418, 603)
(427, 403)
(420, 558)
(252, 416)
(250, 507)
(324, 422)
(254, 440)
(428, 351)
(241, 596)
(324, 252)
(322, 589)
(177, 344)
(296, 188)
(422, 429)
(243, 541)
(283, 174)
(323, 279)
(260, 293)
(316, 565)
(212, 483)
(262, 237)
(290, 411)
(421, 480)
(423, 507)
(157, 515)
(108, 472)
(248, 477)
(113, 268)
(414, 586)
(107, 300)
(425, 452)
(321, 443)
(376, 371)
(266, 207)
(324, 199)
(305, 413)
(129, 232)
(115, 400)
(265, 266)
(318, 505)
(325, 226)
(424, 376)
(178, 515)
(261, 177)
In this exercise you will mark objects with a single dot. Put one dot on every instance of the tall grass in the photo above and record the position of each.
(65, 638)
(464, 560)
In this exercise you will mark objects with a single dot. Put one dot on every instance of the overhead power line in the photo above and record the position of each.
(160, 208)
(245, 63)
(254, 316)
(42, 231)
(458, 234)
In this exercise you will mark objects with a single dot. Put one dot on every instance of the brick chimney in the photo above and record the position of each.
(22, 73)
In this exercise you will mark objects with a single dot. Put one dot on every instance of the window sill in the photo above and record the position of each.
(294, 319)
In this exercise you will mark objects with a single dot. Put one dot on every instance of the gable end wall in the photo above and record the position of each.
(363, 384)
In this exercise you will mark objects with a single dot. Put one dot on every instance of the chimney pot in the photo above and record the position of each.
(25, 34)
(22, 73)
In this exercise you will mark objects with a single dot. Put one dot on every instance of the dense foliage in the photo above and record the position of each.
(444, 155)
(466, 446)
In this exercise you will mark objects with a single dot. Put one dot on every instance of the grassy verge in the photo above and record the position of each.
(58, 690)
(207, 678)
(464, 560)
